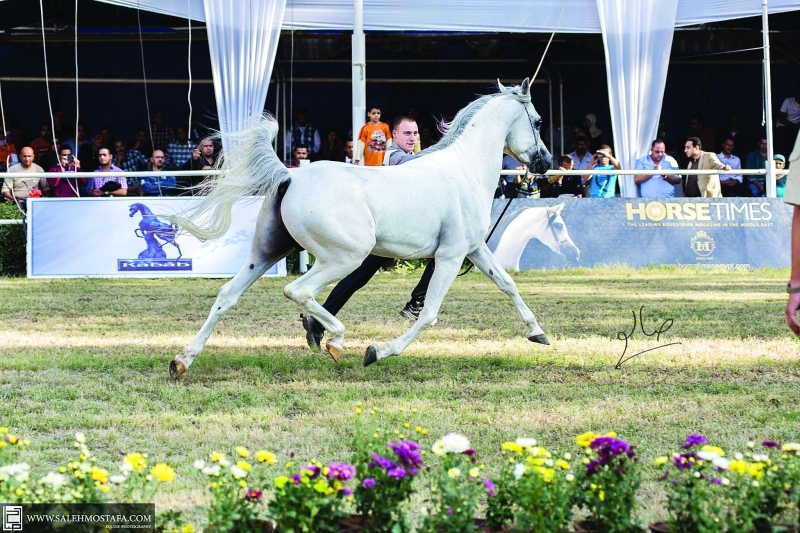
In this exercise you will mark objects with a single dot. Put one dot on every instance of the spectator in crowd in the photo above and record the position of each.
(788, 123)
(332, 148)
(555, 186)
(595, 135)
(50, 157)
(180, 150)
(406, 135)
(732, 185)
(509, 183)
(529, 186)
(604, 186)
(60, 126)
(426, 139)
(699, 129)
(755, 160)
(8, 153)
(557, 131)
(128, 160)
(105, 132)
(305, 133)
(703, 185)
(780, 179)
(373, 139)
(665, 135)
(733, 130)
(20, 189)
(66, 187)
(577, 131)
(88, 152)
(113, 186)
(160, 133)
(158, 185)
(41, 144)
(203, 158)
(348, 151)
(141, 142)
(72, 144)
(658, 185)
(581, 158)
(300, 153)
(193, 132)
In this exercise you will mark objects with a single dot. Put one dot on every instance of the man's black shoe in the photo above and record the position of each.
(412, 309)
(313, 333)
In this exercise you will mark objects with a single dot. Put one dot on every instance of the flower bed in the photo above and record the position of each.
(534, 489)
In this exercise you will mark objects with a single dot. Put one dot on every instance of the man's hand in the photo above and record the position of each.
(791, 312)
(195, 154)
(726, 167)
(77, 163)
(96, 192)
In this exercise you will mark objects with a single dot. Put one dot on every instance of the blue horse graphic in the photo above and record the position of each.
(151, 229)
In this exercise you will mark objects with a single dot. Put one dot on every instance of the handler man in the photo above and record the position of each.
(792, 196)
(404, 135)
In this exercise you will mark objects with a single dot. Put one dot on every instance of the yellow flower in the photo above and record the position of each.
(418, 429)
(660, 461)
(586, 439)
(242, 483)
(163, 473)
(242, 451)
(103, 488)
(739, 467)
(512, 447)
(188, 528)
(99, 474)
(714, 449)
(548, 474)
(601, 495)
(474, 471)
(136, 460)
(216, 456)
(454, 473)
(612, 434)
(289, 464)
(320, 486)
(281, 481)
(244, 465)
(3, 430)
(358, 410)
(755, 470)
(562, 464)
(263, 456)
(413, 409)
(424, 431)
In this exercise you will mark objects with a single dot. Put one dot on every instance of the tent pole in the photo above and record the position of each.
(359, 69)
(550, 105)
(561, 111)
(768, 102)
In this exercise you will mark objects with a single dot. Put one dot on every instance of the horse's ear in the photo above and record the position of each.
(526, 86)
(500, 86)
(559, 207)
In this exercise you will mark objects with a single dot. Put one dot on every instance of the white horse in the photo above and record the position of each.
(438, 205)
(541, 223)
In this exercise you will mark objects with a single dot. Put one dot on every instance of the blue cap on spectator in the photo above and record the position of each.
(779, 157)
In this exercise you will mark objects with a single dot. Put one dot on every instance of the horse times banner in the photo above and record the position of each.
(585, 232)
(125, 237)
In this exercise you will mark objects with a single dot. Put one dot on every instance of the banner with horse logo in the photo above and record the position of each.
(585, 232)
(127, 237)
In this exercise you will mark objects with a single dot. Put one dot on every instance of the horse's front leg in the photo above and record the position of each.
(488, 264)
(443, 276)
(175, 244)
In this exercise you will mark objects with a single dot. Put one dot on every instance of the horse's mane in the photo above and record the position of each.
(452, 130)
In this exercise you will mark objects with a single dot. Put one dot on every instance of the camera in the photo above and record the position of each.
(70, 159)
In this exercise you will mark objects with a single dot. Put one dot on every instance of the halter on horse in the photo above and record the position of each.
(438, 205)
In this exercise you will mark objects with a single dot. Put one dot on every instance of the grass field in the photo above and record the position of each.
(92, 355)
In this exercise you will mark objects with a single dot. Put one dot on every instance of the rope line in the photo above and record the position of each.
(144, 75)
(189, 62)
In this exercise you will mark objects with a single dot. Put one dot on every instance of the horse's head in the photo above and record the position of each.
(557, 238)
(134, 208)
(523, 141)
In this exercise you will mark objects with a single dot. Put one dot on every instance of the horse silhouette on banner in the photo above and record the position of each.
(153, 231)
(436, 206)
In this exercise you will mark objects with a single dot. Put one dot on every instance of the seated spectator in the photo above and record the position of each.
(332, 148)
(698, 128)
(128, 160)
(203, 158)
(303, 132)
(555, 186)
(348, 151)
(66, 187)
(509, 183)
(665, 135)
(733, 130)
(581, 157)
(529, 186)
(657, 186)
(603, 186)
(8, 153)
(87, 153)
(780, 179)
(142, 142)
(20, 189)
(160, 132)
(76, 146)
(113, 186)
(300, 153)
(426, 139)
(595, 135)
(757, 159)
(42, 143)
(158, 185)
(732, 184)
(180, 150)
(50, 158)
(105, 132)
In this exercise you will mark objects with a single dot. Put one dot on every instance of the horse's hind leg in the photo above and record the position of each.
(488, 264)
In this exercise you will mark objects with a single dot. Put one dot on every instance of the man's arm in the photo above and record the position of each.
(638, 179)
(793, 304)
(123, 190)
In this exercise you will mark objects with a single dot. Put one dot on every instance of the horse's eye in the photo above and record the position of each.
(538, 123)
(558, 226)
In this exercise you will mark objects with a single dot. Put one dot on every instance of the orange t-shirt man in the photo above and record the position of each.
(375, 137)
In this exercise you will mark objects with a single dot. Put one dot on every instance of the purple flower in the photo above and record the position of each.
(383, 462)
(347, 492)
(341, 471)
(694, 440)
(770, 444)
(296, 479)
(397, 472)
(253, 495)
(449, 511)
(716, 481)
(469, 452)
(313, 470)
(407, 451)
(368, 483)
(490, 487)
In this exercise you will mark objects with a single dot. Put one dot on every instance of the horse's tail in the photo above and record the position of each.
(251, 168)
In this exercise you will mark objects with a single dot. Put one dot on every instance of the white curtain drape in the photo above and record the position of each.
(243, 40)
(638, 40)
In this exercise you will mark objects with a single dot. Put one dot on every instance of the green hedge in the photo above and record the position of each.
(12, 242)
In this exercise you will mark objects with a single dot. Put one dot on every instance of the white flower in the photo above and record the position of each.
(126, 467)
(212, 470)
(199, 464)
(238, 473)
(56, 481)
(423, 510)
(569, 477)
(755, 483)
(567, 456)
(438, 448)
(751, 444)
(455, 443)
(519, 469)
(760, 457)
(721, 463)
(80, 437)
(791, 447)
(224, 463)
(738, 456)
(726, 481)
(19, 471)
(525, 442)
(118, 479)
(697, 474)
(708, 455)
(548, 462)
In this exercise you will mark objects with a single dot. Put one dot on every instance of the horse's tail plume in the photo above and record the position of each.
(251, 168)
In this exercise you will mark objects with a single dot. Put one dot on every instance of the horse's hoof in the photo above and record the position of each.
(176, 369)
(335, 352)
(541, 339)
(371, 356)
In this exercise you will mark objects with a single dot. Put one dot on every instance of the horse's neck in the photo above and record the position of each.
(530, 224)
(143, 209)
